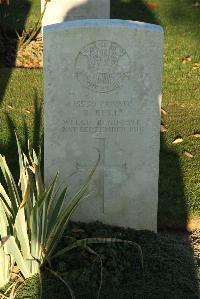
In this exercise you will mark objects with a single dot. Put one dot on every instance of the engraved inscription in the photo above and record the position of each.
(101, 126)
(102, 66)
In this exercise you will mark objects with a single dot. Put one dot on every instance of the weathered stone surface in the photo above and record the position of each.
(58, 11)
(102, 92)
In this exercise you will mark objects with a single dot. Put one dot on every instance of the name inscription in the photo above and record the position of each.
(101, 117)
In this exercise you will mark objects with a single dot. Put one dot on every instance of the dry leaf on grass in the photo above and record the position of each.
(186, 59)
(196, 66)
(188, 154)
(163, 129)
(196, 4)
(27, 111)
(197, 135)
(10, 107)
(163, 111)
(177, 140)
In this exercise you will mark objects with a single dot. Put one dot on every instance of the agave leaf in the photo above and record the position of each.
(4, 223)
(25, 195)
(38, 177)
(28, 200)
(21, 165)
(15, 252)
(6, 214)
(6, 201)
(64, 217)
(43, 226)
(50, 192)
(60, 226)
(35, 225)
(57, 231)
(83, 190)
(12, 189)
(30, 219)
(55, 215)
(4, 266)
(5, 259)
(22, 233)
(33, 189)
(85, 242)
(29, 152)
(41, 207)
(34, 230)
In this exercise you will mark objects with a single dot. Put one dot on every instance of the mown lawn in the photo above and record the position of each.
(179, 185)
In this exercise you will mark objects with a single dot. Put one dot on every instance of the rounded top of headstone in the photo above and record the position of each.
(101, 23)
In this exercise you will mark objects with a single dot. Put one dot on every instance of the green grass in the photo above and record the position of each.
(168, 268)
(179, 184)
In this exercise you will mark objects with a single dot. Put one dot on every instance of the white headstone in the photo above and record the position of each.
(58, 11)
(102, 92)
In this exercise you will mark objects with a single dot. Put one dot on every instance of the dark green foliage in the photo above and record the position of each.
(169, 267)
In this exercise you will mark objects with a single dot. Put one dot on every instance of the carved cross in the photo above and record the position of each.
(101, 169)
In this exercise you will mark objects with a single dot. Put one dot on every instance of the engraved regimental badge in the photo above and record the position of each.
(102, 66)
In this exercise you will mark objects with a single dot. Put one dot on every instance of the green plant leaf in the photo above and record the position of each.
(14, 199)
(12, 188)
(59, 228)
(6, 201)
(19, 259)
(55, 215)
(4, 266)
(22, 233)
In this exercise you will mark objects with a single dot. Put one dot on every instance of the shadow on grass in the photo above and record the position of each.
(9, 16)
(179, 12)
(135, 10)
(172, 208)
(35, 136)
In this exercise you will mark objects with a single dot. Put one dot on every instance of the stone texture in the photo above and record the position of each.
(102, 93)
(58, 11)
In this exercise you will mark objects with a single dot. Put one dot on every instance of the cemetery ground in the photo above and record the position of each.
(169, 264)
